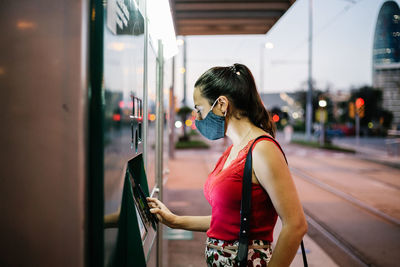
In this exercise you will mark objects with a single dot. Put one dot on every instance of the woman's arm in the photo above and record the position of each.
(165, 216)
(273, 174)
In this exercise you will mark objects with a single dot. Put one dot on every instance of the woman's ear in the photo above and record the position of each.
(223, 104)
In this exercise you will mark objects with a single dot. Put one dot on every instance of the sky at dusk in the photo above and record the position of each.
(342, 52)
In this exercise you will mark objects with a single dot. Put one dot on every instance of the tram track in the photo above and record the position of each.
(341, 246)
(344, 195)
(355, 258)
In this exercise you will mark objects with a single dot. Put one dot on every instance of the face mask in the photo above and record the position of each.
(212, 126)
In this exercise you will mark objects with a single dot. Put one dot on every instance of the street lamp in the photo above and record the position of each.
(267, 45)
(322, 103)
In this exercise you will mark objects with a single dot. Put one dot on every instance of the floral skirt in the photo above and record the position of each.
(256, 257)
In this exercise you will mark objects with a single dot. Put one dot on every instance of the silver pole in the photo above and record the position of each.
(145, 89)
(171, 150)
(184, 74)
(357, 129)
(322, 129)
(159, 142)
(309, 92)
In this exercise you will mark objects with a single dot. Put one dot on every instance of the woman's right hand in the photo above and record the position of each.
(163, 214)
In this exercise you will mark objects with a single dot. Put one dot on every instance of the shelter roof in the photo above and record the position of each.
(215, 17)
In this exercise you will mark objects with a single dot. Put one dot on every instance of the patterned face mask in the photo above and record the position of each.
(212, 126)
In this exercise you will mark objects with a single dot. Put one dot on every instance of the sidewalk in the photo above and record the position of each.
(183, 194)
(371, 149)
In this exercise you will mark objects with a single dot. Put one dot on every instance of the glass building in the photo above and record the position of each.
(386, 58)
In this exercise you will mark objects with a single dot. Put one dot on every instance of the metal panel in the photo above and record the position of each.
(43, 81)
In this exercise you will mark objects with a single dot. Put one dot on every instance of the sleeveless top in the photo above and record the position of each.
(223, 190)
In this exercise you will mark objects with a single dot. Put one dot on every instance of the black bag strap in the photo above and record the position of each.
(245, 207)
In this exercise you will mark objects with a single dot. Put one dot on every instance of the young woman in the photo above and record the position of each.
(227, 103)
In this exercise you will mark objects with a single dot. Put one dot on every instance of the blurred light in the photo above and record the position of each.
(121, 104)
(182, 70)
(116, 46)
(359, 102)
(285, 97)
(161, 27)
(180, 42)
(2, 71)
(140, 70)
(322, 103)
(283, 122)
(275, 118)
(295, 115)
(269, 45)
(178, 124)
(152, 117)
(194, 126)
(370, 125)
(116, 117)
(25, 25)
(188, 123)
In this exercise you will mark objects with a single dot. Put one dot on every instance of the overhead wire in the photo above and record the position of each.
(352, 4)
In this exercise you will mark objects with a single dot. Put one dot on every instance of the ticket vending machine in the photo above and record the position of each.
(132, 240)
(137, 227)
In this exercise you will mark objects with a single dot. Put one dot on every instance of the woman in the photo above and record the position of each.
(227, 103)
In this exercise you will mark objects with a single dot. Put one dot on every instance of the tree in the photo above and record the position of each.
(373, 110)
(183, 113)
(301, 97)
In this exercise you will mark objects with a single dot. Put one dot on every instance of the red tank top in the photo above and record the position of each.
(223, 190)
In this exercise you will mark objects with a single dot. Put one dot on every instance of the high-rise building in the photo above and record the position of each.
(386, 58)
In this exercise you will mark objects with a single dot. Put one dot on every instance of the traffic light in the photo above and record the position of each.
(351, 110)
(360, 105)
(361, 111)
(275, 118)
(359, 102)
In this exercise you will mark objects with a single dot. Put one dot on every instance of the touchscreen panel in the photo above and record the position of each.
(149, 219)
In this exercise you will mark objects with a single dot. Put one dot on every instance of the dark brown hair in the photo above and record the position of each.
(236, 83)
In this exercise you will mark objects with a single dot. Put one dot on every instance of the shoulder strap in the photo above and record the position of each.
(245, 207)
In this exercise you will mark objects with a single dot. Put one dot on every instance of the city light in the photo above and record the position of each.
(116, 117)
(178, 124)
(269, 45)
(322, 103)
(359, 102)
(116, 46)
(152, 117)
(188, 123)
